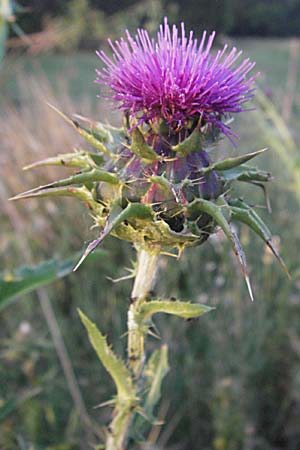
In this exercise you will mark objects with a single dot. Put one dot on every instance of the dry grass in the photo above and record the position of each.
(31, 131)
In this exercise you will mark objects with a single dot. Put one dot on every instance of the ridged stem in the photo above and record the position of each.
(144, 280)
(145, 276)
(119, 428)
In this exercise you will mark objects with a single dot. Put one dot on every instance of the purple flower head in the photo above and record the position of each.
(176, 78)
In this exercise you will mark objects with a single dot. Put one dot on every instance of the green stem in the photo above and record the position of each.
(144, 279)
(119, 428)
(145, 275)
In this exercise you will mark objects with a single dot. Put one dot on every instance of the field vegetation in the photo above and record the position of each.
(235, 382)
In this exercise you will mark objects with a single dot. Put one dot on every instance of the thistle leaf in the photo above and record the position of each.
(92, 176)
(76, 159)
(140, 148)
(189, 145)
(109, 135)
(116, 217)
(185, 310)
(156, 369)
(88, 135)
(114, 366)
(216, 213)
(70, 191)
(163, 183)
(245, 173)
(230, 163)
(241, 212)
(265, 193)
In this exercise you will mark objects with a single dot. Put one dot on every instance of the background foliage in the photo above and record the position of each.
(237, 17)
(234, 383)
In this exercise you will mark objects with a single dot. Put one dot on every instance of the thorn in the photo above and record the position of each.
(90, 248)
(118, 280)
(277, 255)
(83, 118)
(151, 333)
(154, 327)
(124, 335)
(249, 287)
(107, 403)
(267, 198)
(16, 197)
(67, 119)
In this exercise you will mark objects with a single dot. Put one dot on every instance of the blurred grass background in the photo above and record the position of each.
(234, 382)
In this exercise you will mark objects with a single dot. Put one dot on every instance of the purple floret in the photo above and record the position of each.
(176, 78)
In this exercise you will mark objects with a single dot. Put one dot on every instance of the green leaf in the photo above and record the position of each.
(215, 211)
(114, 366)
(155, 371)
(178, 308)
(82, 193)
(91, 176)
(78, 158)
(87, 134)
(189, 145)
(139, 146)
(162, 182)
(230, 163)
(245, 173)
(109, 135)
(241, 212)
(116, 217)
(26, 279)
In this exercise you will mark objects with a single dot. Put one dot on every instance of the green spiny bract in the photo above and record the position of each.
(157, 187)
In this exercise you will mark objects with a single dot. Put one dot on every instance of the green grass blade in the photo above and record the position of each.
(11, 405)
(26, 279)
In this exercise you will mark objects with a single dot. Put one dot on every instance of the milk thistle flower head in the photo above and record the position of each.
(153, 182)
(176, 78)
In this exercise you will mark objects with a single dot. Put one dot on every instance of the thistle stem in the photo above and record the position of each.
(119, 428)
(144, 280)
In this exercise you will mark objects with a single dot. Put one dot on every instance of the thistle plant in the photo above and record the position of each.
(153, 183)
